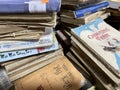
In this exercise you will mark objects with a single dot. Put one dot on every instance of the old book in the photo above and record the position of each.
(93, 64)
(7, 56)
(31, 17)
(103, 52)
(45, 39)
(5, 29)
(23, 6)
(33, 60)
(85, 19)
(78, 65)
(94, 60)
(104, 42)
(62, 70)
(21, 35)
(89, 10)
(21, 68)
(89, 61)
(21, 73)
(32, 23)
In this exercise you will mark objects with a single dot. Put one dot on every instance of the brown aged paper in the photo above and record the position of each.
(59, 75)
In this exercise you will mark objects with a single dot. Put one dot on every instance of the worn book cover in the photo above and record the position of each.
(103, 40)
(85, 19)
(59, 75)
(46, 39)
(29, 6)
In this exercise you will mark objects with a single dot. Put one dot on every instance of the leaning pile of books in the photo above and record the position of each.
(79, 12)
(30, 56)
(97, 47)
(27, 39)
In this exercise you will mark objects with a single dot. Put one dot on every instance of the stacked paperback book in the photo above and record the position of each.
(80, 12)
(97, 46)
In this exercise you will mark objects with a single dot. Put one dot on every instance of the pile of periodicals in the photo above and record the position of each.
(30, 56)
(27, 39)
(94, 47)
(80, 12)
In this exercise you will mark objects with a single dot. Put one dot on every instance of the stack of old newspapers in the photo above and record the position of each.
(79, 12)
(97, 46)
(27, 39)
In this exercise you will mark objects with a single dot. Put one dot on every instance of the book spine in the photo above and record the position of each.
(29, 6)
(81, 12)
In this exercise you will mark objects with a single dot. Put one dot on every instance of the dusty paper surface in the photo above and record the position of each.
(59, 75)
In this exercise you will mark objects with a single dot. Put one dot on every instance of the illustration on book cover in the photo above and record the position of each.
(102, 39)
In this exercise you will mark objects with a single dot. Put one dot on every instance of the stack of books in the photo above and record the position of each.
(27, 38)
(97, 47)
(80, 12)
(30, 55)
(29, 13)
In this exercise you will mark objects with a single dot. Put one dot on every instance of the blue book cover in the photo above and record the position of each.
(103, 40)
(29, 6)
(92, 9)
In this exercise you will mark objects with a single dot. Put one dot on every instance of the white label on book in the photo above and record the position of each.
(102, 39)
(37, 6)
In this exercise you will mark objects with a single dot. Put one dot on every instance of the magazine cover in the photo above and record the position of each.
(103, 40)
